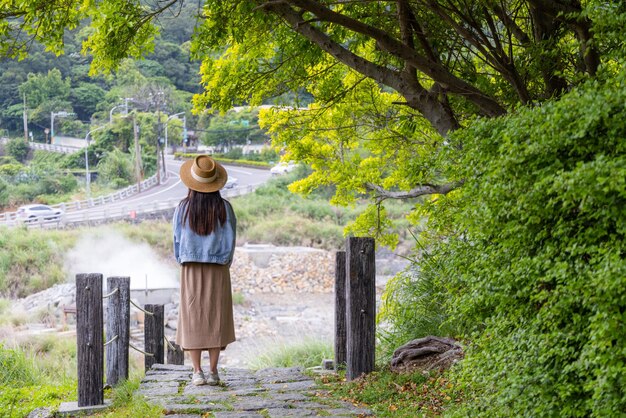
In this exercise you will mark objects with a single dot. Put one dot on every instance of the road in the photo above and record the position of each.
(174, 190)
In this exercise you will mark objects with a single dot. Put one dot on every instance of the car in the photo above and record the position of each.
(282, 168)
(231, 183)
(33, 213)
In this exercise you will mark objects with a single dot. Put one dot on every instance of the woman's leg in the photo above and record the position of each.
(214, 356)
(195, 359)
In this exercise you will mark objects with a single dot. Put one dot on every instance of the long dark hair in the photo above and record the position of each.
(203, 210)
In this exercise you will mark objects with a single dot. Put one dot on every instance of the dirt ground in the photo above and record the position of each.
(265, 321)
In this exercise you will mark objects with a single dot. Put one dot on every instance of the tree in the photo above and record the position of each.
(446, 59)
(85, 99)
(40, 88)
(46, 93)
(234, 128)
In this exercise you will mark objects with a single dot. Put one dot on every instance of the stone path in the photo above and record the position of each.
(268, 393)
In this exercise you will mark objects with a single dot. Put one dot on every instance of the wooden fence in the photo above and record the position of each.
(355, 313)
(355, 307)
(90, 332)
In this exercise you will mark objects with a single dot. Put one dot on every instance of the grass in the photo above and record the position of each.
(40, 372)
(32, 259)
(238, 299)
(307, 353)
(128, 404)
(158, 234)
(389, 394)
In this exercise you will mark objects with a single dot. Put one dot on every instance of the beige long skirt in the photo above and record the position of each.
(205, 312)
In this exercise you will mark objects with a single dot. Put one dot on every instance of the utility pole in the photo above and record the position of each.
(138, 172)
(25, 120)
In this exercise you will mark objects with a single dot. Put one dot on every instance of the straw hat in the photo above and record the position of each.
(203, 174)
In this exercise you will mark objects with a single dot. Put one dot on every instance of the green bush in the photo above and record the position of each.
(58, 184)
(23, 193)
(117, 169)
(4, 192)
(534, 253)
(18, 149)
(10, 169)
(234, 153)
(414, 306)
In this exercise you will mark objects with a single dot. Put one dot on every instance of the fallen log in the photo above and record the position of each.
(426, 354)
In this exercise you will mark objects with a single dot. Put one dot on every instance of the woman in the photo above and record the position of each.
(204, 242)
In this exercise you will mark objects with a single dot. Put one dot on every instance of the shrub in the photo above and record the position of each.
(414, 306)
(57, 184)
(235, 153)
(116, 168)
(18, 149)
(4, 192)
(535, 244)
(10, 169)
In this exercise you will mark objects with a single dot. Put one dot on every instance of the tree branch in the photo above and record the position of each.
(488, 105)
(421, 190)
(416, 95)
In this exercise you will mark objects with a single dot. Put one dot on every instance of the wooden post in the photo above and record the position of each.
(360, 306)
(118, 324)
(176, 356)
(89, 332)
(340, 310)
(154, 335)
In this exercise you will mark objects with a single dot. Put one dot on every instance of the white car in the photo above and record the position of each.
(33, 213)
(282, 168)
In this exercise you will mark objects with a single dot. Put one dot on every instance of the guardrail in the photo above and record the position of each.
(129, 211)
(78, 205)
(54, 148)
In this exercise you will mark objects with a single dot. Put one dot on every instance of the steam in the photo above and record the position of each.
(112, 254)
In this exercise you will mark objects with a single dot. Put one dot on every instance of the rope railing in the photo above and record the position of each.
(140, 308)
(111, 340)
(169, 344)
(140, 350)
(108, 295)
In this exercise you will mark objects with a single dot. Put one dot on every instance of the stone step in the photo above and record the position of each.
(275, 392)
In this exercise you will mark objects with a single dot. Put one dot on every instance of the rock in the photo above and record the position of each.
(40, 413)
(428, 353)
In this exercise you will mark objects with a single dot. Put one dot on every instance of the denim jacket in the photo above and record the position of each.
(218, 247)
